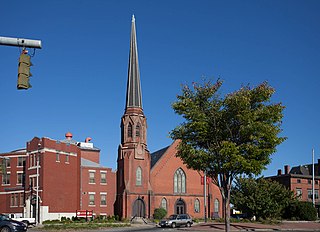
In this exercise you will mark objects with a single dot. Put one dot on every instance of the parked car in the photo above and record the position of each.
(9, 225)
(177, 220)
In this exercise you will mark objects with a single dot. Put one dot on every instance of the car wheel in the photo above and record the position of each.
(26, 222)
(188, 224)
(5, 229)
(173, 225)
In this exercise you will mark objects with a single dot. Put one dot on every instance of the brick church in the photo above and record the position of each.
(50, 179)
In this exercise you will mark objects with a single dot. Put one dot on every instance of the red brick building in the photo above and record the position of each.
(299, 180)
(63, 176)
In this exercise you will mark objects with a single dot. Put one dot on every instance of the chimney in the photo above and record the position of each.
(88, 139)
(279, 172)
(286, 169)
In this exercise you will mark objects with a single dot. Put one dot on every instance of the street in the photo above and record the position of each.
(235, 227)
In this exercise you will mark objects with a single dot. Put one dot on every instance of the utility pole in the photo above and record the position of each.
(313, 196)
(205, 195)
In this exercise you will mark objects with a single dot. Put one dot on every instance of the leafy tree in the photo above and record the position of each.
(262, 198)
(227, 136)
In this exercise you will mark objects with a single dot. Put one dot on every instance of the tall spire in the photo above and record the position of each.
(134, 99)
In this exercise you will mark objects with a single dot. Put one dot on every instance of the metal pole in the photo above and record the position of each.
(313, 197)
(205, 196)
(20, 42)
(37, 192)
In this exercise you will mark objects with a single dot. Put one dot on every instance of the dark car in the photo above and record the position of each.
(9, 225)
(177, 220)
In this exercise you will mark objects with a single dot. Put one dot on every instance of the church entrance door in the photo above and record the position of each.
(139, 208)
(180, 207)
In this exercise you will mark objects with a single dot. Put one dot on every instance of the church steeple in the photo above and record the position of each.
(133, 98)
(134, 160)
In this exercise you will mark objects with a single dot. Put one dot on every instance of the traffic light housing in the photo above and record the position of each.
(24, 71)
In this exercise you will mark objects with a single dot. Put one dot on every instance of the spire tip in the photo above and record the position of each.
(133, 19)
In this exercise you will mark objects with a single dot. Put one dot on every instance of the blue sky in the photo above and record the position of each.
(79, 77)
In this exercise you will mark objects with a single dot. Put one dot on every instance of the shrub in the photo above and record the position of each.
(300, 210)
(159, 213)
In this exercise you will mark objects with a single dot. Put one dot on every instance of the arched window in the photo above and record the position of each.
(179, 181)
(216, 205)
(139, 176)
(138, 130)
(129, 130)
(197, 206)
(164, 203)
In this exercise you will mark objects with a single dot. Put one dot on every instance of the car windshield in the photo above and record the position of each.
(4, 217)
(174, 216)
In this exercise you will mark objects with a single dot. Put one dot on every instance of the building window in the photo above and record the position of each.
(20, 161)
(12, 200)
(57, 157)
(164, 203)
(139, 176)
(179, 181)
(103, 177)
(216, 205)
(316, 194)
(130, 130)
(67, 158)
(103, 199)
(299, 193)
(309, 193)
(317, 182)
(6, 179)
(298, 181)
(34, 160)
(19, 178)
(7, 163)
(21, 200)
(309, 182)
(138, 130)
(197, 206)
(91, 178)
(14, 197)
(91, 199)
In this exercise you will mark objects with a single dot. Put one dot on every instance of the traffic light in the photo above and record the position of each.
(24, 71)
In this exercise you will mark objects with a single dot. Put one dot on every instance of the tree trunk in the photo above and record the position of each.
(227, 209)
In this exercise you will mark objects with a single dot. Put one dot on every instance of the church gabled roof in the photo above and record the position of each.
(134, 98)
(155, 156)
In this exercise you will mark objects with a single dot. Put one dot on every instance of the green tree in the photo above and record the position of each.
(227, 136)
(262, 198)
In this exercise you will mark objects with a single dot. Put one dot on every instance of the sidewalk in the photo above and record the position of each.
(285, 226)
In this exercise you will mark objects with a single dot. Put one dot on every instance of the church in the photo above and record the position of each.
(148, 181)
(50, 179)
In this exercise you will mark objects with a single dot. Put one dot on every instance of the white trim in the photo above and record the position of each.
(53, 151)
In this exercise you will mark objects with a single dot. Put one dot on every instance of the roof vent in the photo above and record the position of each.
(68, 136)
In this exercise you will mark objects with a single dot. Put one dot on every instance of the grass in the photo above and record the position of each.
(82, 226)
